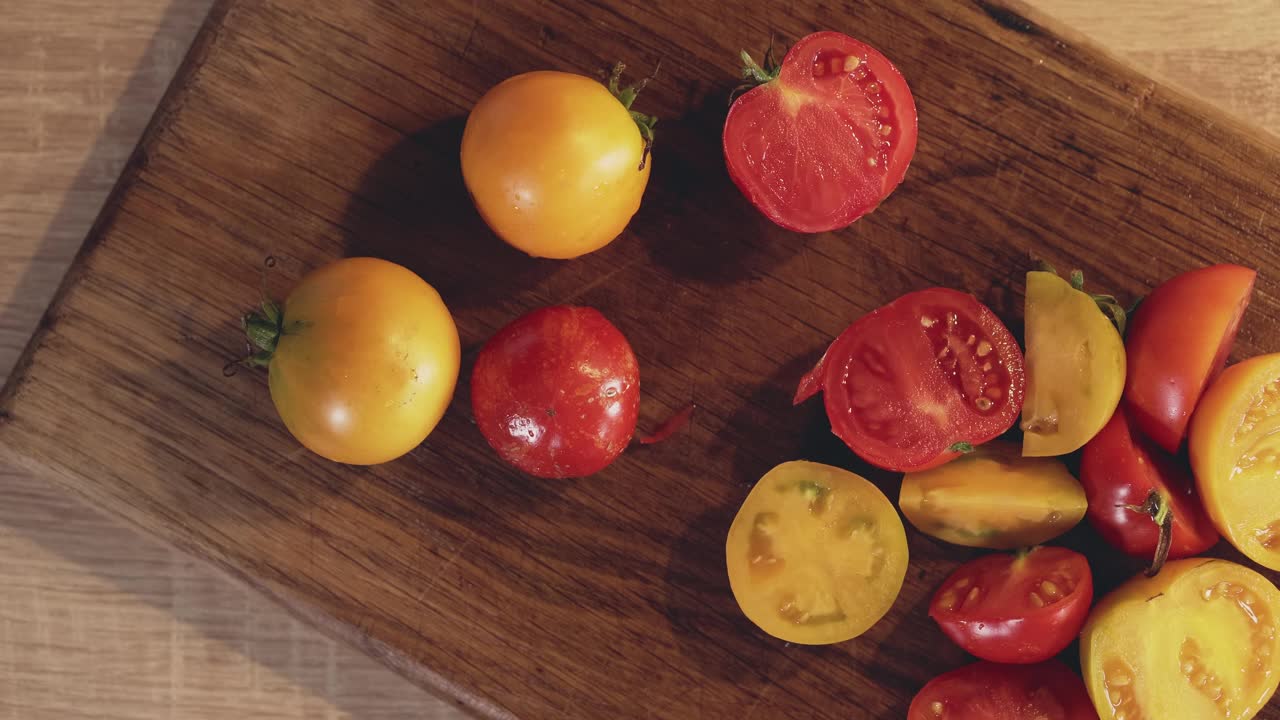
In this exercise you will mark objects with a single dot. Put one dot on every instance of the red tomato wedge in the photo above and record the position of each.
(827, 139)
(987, 691)
(1022, 608)
(905, 384)
(1178, 341)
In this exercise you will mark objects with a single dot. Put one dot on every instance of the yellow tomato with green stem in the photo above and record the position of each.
(1075, 364)
(994, 498)
(1235, 445)
(816, 554)
(361, 359)
(556, 162)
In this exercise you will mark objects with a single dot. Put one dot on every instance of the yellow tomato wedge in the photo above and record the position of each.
(994, 498)
(1196, 641)
(1075, 367)
(1235, 455)
(816, 554)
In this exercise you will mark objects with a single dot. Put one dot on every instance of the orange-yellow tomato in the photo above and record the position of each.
(553, 163)
(1197, 641)
(365, 363)
(994, 498)
(816, 554)
(1235, 443)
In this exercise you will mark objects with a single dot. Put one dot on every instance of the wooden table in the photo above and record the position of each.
(96, 620)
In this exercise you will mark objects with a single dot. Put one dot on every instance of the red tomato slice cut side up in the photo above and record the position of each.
(906, 383)
(826, 141)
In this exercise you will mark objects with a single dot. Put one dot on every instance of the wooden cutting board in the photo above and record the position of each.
(311, 130)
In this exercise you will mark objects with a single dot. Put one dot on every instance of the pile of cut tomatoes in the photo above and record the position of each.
(1172, 450)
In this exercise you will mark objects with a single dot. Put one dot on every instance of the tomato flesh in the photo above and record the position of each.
(1178, 341)
(816, 554)
(987, 691)
(1196, 641)
(556, 393)
(826, 141)
(905, 383)
(1120, 469)
(994, 498)
(1016, 608)
(1235, 448)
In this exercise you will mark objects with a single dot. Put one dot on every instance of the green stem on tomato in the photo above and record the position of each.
(1108, 304)
(627, 96)
(1157, 507)
(756, 74)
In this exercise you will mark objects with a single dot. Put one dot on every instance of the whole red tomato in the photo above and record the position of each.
(1137, 493)
(1177, 342)
(556, 392)
(1022, 608)
(987, 691)
(920, 381)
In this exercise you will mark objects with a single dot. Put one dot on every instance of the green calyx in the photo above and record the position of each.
(1108, 304)
(963, 448)
(756, 74)
(627, 96)
(263, 329)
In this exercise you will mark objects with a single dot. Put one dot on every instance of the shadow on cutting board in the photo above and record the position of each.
(413, 209)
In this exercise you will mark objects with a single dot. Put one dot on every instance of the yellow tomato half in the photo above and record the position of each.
(365, 363)
(816, 554)
(994, 498)
(553, 163)
(1235, 455)
(1196, 641)
(1075, 367)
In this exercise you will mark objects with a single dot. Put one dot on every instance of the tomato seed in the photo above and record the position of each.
(1050, 588)
(1036, 599)
(971, 598)
(851, 63)
(885, 130)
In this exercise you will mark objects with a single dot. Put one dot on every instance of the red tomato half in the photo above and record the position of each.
(987, 691)
(907, 382)
(827, 140)
(1016, 608)
(557, 392)
(1121, 471)
(1177, 342)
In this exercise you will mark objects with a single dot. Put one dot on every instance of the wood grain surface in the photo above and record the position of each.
(1229, 91)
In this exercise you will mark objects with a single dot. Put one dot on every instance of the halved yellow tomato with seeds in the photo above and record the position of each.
(1235, 455)
(816, 554)
(1196, 641)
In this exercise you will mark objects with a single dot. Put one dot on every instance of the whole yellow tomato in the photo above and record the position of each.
(362, 360)
(555, 163)
(1234, 446)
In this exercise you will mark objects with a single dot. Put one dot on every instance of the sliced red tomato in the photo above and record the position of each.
(987, 691)
(825, 138)
(912, 384)
(1178, 341)
(1137, 492)
(1022, 608)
